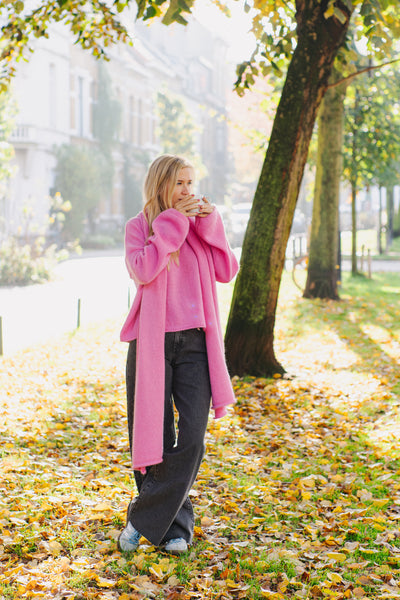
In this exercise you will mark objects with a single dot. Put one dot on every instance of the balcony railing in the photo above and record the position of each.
(23, 134)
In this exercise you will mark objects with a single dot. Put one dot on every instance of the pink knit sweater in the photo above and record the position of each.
(147, 259)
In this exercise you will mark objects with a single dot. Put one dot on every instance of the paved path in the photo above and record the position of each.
(36, 313)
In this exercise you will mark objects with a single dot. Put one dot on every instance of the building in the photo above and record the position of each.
(58, 93)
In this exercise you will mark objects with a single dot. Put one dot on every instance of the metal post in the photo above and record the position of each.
(129, 298)
(1, 336)
(78, 317)
(362, 258)
(369, 264)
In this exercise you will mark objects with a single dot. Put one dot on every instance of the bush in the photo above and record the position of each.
(97, 242)
(21, 264)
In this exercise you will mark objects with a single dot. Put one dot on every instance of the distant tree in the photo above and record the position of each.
(322, 271)
(7, 122)
(177, 130)
(106, 113)
(176, 126)
(135, 165)
(80, 176)
(372, 137)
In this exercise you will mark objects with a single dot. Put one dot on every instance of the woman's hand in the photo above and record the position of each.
(188, 206)
(205, 208)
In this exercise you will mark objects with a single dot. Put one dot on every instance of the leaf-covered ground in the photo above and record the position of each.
(299, 494)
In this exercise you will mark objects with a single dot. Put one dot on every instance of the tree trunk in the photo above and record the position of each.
(390, 211)
(379, 236)
(322, 274)
(250, 330)
(354, 268)
(396, 219)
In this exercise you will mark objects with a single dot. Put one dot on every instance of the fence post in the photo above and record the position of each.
(78, 316)
(369, 264)
(1, 336)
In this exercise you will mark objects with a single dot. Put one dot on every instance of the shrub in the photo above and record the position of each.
(97, 241)
(21, 264)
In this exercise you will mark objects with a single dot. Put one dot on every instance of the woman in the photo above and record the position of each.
(175, 250)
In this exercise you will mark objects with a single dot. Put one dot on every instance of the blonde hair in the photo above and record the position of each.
(160, 183)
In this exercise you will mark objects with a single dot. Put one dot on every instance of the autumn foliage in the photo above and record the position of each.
(299, 494)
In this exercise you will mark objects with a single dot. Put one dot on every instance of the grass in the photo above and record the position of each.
(298, 494)
(367, 239)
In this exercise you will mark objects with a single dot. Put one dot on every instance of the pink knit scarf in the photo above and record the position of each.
(148, 422)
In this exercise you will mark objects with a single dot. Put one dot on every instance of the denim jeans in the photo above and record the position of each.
(162, 510)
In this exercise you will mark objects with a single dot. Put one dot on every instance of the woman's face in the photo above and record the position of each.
(183, 186)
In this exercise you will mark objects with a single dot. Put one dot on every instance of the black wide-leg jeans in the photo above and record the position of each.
(162, 509)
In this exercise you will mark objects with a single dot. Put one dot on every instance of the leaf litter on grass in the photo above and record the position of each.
(296, 497)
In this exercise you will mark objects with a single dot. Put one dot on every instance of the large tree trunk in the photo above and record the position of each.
(250, 330)
(322, 275)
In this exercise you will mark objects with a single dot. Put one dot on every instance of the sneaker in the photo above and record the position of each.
(176, 546)
(129, 539)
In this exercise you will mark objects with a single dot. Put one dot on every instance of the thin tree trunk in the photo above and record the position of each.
(322, 274)
(354, 268)
(250, 329)
(396, 219)
(390, 211)
(379, 236)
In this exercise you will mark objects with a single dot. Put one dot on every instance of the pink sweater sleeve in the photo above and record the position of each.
(146, 258)
(211, 230)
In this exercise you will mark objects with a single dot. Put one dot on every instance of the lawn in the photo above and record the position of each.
(299, 493)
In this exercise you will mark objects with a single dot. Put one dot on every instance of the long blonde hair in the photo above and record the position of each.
(160, 183)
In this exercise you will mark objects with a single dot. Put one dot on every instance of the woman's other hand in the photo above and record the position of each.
(188, 206)
(205, 207)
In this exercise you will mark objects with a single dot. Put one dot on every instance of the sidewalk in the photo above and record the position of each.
(36, 313)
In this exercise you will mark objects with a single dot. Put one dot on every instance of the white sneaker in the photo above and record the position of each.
(176, 546)
(129, 539)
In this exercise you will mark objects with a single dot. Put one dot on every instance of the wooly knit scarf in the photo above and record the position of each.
(148, 421)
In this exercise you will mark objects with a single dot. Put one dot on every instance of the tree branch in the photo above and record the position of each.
(371, 68)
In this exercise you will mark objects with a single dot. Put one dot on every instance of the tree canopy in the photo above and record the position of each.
(94, 24)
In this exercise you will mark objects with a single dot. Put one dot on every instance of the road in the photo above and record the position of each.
(36, 313)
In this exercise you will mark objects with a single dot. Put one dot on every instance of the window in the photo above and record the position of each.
(140, 123)
(80, 107)
(131, 119)
(52, 96)
(72, 103)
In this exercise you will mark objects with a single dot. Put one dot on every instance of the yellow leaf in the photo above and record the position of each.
(55, 547)
(307, 481)
(157, 571)
(102, 507)
(380, 502)
(336, 556)
(335, 578)
(105, 583)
